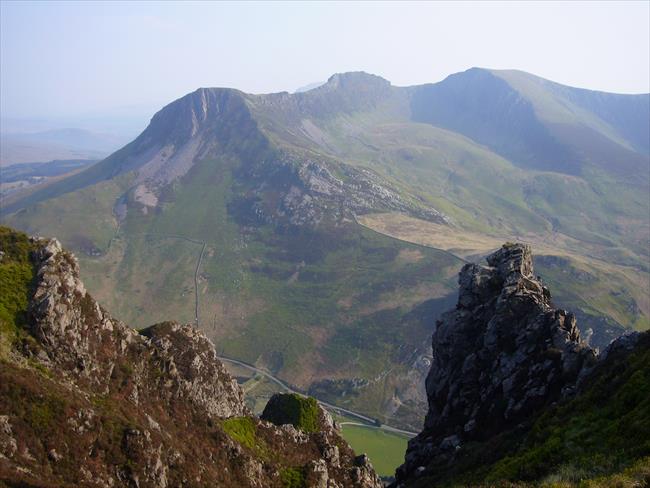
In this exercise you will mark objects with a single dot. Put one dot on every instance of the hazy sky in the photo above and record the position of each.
(66, 59)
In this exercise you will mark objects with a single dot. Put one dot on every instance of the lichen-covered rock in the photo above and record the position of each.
(501, 355)
(189, 360)
(87, 345)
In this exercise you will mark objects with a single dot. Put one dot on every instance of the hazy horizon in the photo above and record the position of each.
(87, 60)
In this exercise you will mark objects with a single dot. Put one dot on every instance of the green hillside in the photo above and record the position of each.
(243, 211)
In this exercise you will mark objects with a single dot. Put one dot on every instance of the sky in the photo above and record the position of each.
(73, 59)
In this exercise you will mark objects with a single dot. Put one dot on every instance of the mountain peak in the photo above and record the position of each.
(356, 78)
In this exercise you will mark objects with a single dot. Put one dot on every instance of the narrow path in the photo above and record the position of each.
(196, 286)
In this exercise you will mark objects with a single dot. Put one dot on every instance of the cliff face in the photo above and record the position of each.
(87, 401)
(503, 354)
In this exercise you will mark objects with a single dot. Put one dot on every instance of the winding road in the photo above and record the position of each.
(196, 286)
(345, 411)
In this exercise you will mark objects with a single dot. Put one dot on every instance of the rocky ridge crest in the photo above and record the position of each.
(87, 401)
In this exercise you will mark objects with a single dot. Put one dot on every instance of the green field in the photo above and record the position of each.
(385, 450)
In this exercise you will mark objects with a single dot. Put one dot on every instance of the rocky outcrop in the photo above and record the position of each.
(304, 413)
(87, 401)
(309, 190)
(81, 340)
(502, 354)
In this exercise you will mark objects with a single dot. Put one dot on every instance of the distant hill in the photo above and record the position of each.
(17, 179)
(70, 143)
(318, 234)
(309, 86)
(540, 124)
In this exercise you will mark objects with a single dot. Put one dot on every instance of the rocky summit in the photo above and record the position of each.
(501, 355)
(87, 401)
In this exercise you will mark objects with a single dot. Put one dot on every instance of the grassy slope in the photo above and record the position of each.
(319, 303)
(483, 192)
(596, 434)
(16, 277)
(82, 219)
(594, 285)
(551, 106)
(594, 215)
(594, 218)
(620, 118)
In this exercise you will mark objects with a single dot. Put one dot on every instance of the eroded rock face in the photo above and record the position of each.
(311, 192)
(88, 346)
(87, 401)
(189, 361)
(502, 354)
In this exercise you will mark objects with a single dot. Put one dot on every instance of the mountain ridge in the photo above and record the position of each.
(276, 188)
(360, 86)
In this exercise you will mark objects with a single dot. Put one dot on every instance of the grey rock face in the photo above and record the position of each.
(315, 189)
(189, 358)
(503, 353)
(87, 345)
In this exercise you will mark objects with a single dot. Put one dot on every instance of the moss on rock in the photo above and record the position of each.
(289, 408)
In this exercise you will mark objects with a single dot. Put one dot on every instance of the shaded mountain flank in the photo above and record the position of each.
(87, 401)
(516, 396)
(248, 215)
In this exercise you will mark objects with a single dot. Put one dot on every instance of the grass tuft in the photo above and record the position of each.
(242, 430)
(293, 478)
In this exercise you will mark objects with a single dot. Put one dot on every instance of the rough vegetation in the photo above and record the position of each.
(516, 397)
(16, 276)
(600, 432)
(87, 401)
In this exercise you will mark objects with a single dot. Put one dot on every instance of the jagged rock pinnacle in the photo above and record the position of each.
(503, 353)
